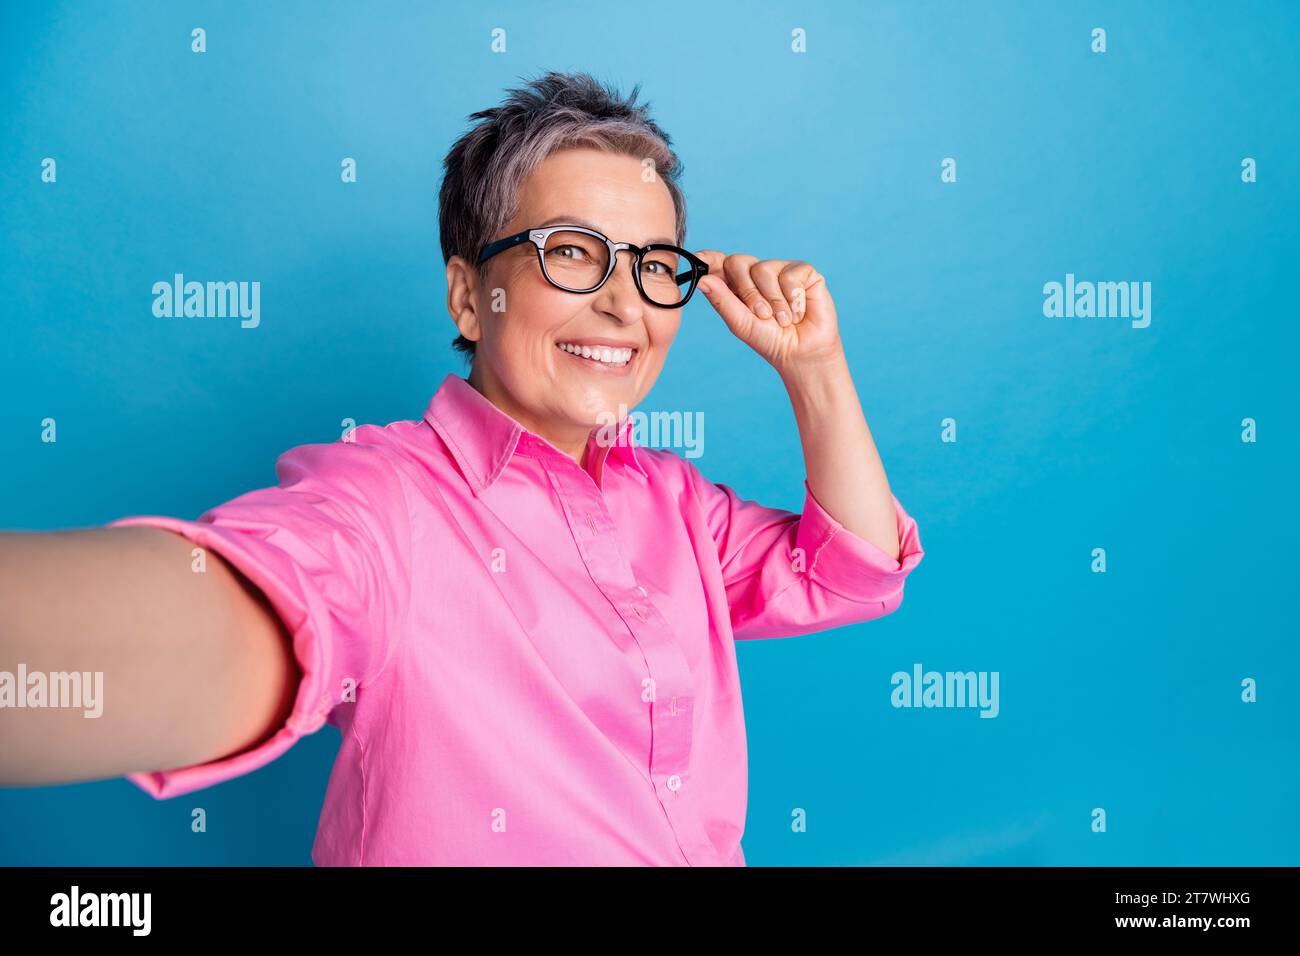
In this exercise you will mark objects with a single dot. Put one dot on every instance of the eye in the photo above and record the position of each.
(576, 252)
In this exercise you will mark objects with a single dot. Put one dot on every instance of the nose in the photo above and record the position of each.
(618, 297)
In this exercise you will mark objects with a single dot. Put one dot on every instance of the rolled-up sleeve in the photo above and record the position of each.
(787, 574)
(329, 547)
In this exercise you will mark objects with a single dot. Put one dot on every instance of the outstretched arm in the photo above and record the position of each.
(195, 666)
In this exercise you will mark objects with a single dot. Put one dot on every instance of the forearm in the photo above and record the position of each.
(845, 473)
(194, 665)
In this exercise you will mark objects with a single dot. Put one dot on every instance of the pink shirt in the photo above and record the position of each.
(543, 656)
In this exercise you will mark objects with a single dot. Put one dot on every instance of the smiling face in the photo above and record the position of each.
(525, 361)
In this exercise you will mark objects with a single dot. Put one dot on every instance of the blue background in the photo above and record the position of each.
(1118, 690)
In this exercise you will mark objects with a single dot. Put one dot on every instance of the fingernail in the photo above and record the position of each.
(705, 287)
(783, 318)
(762, 308)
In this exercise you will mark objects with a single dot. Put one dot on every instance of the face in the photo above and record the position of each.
(519, 363)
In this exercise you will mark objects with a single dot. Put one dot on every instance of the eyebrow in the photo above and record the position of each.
(579, 221)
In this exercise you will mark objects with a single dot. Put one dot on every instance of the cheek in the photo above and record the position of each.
(544, 314)
(534, 323)
(662, 329)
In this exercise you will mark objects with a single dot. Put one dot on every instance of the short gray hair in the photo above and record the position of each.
(486, 166)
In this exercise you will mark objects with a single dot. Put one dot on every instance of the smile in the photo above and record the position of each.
(601, 354)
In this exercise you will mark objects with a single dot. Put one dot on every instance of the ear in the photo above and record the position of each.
(462, 298)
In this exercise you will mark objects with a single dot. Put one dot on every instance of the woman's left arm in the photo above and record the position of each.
(783, 310)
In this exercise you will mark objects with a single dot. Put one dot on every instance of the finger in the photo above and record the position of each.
(735, 313)
(714, 260)
(795, 279)
(766, 277)
(736, 268)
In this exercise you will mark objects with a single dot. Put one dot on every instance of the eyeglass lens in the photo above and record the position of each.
(577, 262)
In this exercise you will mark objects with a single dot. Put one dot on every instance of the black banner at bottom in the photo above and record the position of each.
(330, 906)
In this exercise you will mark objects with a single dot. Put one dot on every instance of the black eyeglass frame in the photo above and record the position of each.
(699, 268)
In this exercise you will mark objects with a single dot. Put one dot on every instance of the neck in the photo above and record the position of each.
(570, 439)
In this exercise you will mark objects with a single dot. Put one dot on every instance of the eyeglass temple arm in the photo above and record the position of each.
(702, 270)
(501, 245)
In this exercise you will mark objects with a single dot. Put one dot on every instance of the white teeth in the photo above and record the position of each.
(599, 353)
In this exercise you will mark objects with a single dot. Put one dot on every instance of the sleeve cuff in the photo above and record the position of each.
(270, 569)
(852, 566)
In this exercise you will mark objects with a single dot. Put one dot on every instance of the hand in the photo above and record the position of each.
(751, 295)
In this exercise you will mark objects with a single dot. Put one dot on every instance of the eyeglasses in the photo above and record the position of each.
(577, 259)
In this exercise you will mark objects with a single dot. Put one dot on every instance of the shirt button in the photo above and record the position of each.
(674, 783)
(643, 591)
(640, 611)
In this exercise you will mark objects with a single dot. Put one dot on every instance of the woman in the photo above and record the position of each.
(522, 623)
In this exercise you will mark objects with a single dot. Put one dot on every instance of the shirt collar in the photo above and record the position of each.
(483, 438)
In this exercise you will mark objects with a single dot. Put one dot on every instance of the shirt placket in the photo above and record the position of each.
(672, 699)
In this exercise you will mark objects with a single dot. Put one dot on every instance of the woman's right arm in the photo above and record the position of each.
(196, 666)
